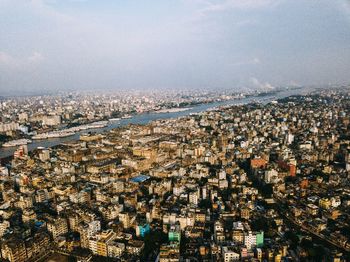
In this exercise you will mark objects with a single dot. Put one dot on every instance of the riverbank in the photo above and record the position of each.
(145, 118)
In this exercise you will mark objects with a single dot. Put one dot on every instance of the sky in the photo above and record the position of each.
(65, 45)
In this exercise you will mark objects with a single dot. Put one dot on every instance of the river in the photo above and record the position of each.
(145, 118)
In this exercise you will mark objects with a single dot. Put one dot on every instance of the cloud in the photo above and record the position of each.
(208, 8)
(35, 58)
(227, 5)
(344, 8)
(8, 61)
(122, 44)
(261, 86)
(253, 61)
(44, 9)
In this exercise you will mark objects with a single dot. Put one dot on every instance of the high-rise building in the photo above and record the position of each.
(142, 229)
(174, 233)
(14, 250)
(260, 239)
(4, 225)
(57, 227)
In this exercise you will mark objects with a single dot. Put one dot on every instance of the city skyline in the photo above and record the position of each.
(261, 176)
(49, 46)
(174, 130)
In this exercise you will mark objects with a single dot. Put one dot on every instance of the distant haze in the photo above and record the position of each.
(51, 45)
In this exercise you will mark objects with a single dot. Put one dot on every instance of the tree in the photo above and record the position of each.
(204, 203)
(292, 237)
(261, 224)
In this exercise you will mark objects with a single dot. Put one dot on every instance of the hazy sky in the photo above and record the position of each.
(172, 44)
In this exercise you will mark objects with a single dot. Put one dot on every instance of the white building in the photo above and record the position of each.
(229, 255)
(5, 127)
(51, 120)
(193, 198)
(250, 240)
(271, 176)
(93, 227)
(57, 227)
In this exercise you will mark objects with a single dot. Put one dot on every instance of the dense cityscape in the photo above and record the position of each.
(174, 131)
(249, 182)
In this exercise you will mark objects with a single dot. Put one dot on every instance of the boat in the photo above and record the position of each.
(70, 131)
(40, 136)
(54, 134)
(98, 124)
(19, 142)
(60, 134)
(113, 119)
(173, 110)
(126, 117)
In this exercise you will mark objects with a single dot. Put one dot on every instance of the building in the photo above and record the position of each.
(4, 225)
(258, 163)
(229, 254)
(250, 240)
(312, 209)
(28, 215)
(53, 120)
(6, 127)
(135, 247)
(99, 243)
(174, 234)
(193, 198)
(170, 252)
(260, 239)
(57, 227)
(115, 249)
(14, 250)
(125, 219)
(142, 229)
(324, 203)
